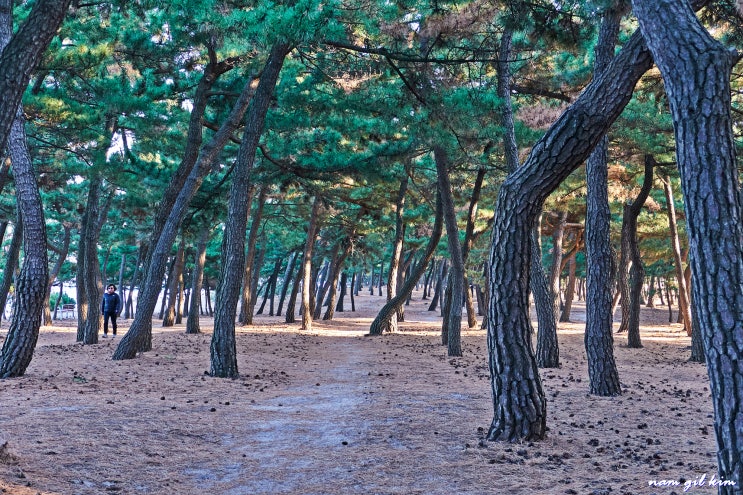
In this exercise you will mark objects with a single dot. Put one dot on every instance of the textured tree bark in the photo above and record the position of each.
(696, 71)
(192, 323)
(139, 336)
(684, 307)
(518, 399)
(469, 240)
(452, 324)
(598, 338)
(19, 344)
(223, 346)
(548, 351)
(556, 268)
(389, 309)
(630, 243)
(91, 269)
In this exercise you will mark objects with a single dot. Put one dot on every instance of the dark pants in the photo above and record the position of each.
(106, 316)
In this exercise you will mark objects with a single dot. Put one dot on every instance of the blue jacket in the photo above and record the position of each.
(111, 303)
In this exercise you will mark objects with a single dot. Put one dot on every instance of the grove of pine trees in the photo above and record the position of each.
(222, 152)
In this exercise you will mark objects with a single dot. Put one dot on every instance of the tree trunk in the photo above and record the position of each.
(629, 242)
(569, 290)
(288, 275)
(292, 304)
(223, 345)
(343, 290)
(61, 257)
(21, 52)
(518, 398)
(452, 325)
(696, 70)
(334, 275)
(397, 245)
(443, 271)
(174, 280)
(379, 324)
(128, 307)
(556, 268)
(91, 269)
(548, 351)
(192, 323)
(184, 184)
(11, 263)
(20, 341)
(246, 316)
(598, 339)
(270, 285)
(469, 240)
(307, 264)
(684, 308)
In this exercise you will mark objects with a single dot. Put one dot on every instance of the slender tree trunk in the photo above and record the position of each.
(600, 265)
(31, 284)
(342, 295)
(54, 272)
(292, 304)
(569, 290)
(173, 283)
(11, 263)
(223, 344)
(192, 323)
(696, 71)
(379, 324)
(334, 275)
(397, 245)
(548, 351)
(246, 302)
(684, 308)
(307, 264)
(288, 276)
(441, 276)
(452, 325)
(629, 242)
(270, 285)
(128, 307)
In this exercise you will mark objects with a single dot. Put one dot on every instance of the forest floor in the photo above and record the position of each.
(331, 411)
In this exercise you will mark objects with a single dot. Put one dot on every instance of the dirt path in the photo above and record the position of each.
(334, 412)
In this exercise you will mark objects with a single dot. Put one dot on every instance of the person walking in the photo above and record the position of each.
(110, 307)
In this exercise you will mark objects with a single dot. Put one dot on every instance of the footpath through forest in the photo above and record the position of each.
(334, 412)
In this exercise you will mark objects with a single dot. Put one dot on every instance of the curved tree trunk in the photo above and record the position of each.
(696, 70)
(20, 342)
(223, 346)
(519, 402)
(397, 245)
(380, 322)
(452, 323)
(183, 186)
(637, 272)
(192, 323)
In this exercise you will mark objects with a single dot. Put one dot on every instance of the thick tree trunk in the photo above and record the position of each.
(452, 324)
(223, 345)
(192, 323)
(598, 339)
(184, 184)
(397, 245)
(342, 294)
(379, 324)
(174, 283)
(20, 341)
(292, 304)
(518, 399)
(684, 306)
(630, 243)
(696, 70)
(307, 264)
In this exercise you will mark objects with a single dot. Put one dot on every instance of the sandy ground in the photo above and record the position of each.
(333, 412)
